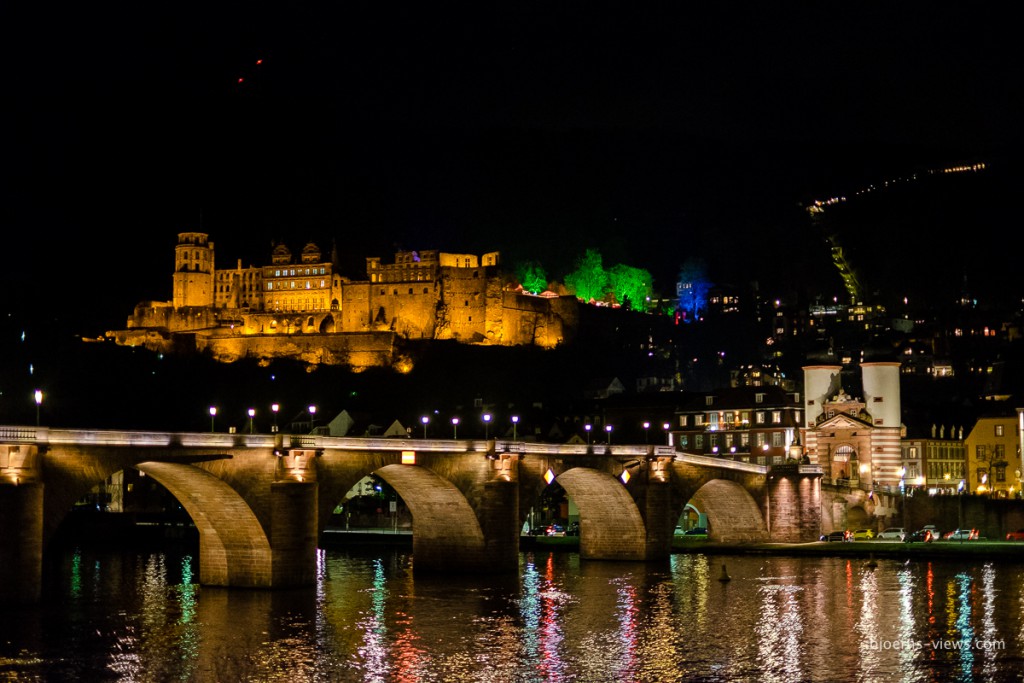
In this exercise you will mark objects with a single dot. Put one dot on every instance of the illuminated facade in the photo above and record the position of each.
(993, 461)
(759, 425)
(856, 441)
(247, 311)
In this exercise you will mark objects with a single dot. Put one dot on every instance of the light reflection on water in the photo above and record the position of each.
(124, 616)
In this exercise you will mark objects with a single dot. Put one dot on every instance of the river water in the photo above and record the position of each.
(120, 615)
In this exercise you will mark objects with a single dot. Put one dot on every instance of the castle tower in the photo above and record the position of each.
(193, 270)
(820, 383)
(881, 382)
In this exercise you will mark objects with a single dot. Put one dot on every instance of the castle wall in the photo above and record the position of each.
(357, 350)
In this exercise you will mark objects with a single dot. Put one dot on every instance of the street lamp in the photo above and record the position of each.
(252, 414)
(608, 431)
(903, 495)
(274, 407)
(960, 507)
(515, 421)
(647, 433)
(213, 415)
(668, 434)
(38, 396)
(312, 419)
(487, 425)
(455, 427)
(424, 420)
(587, 429)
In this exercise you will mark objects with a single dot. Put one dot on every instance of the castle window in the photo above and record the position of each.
(425, 290)
(475, 274)
(999, 430)
(410, 290)
(466, 303)
(382, 292)
(776, 416)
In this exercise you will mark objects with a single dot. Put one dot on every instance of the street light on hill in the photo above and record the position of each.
(424, 420)
(608, 432)
(587, 428)
(312, 418)
(213, 416)
(647, 432)
(515, 421)
(487, 425)
(274, 407)
(252, 414)
(455, 428)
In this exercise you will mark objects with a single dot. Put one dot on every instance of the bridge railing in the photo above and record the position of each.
(235, 440)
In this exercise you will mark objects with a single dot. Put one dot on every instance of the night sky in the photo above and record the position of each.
(538, 129)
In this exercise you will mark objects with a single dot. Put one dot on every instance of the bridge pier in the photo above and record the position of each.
(794, 504)
(21, 543)
(293, 535)
(500, 524)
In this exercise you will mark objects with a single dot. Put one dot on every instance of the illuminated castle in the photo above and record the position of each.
(304, 308)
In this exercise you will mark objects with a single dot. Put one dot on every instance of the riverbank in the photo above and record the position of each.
(1003, 550)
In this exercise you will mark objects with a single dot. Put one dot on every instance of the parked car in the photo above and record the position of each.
(893, 533)
(1017, 535)
(921, 536)
(696, 533)
(962, 535)
(863, 534)
(839, 535)
(555, 530)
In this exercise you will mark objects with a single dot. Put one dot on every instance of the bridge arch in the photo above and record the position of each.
(733, 514)
(446, 531)
(611, 526)
(233, 548)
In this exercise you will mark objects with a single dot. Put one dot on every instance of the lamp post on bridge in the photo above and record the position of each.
(274, 407)
(38, 396)
(487, 426)
(515, 422)
(252, 414)
(312, 418)
(455, 428)
(608, 432)
(587, 428)
(213, 416)
(424, 420)
(960, 507)
(647, 432)
(668, 434)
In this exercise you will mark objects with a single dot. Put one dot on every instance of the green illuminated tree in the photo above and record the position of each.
(531, 276)
(589, 281)
(631, 286)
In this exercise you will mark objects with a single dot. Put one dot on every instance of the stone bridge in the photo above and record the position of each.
(260, 501)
